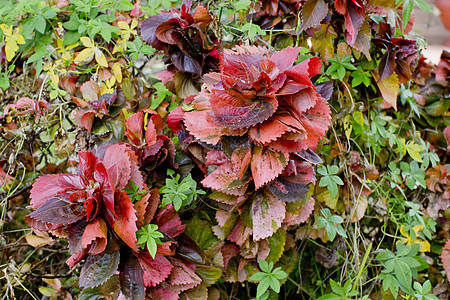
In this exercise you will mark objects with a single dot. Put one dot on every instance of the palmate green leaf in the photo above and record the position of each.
(279, 273)
(336, 287)
(274, 283)
(263, 286)
(331, 231)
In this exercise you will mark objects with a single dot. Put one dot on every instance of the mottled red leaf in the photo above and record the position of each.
(90, 91)
(155, 270)
(305, 211)
(225, 178)
(240, 233)
(268, 212)
(125, 223)
(266, 165)
(146, 207)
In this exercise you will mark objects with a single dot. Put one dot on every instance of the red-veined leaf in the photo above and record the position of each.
(169, 222)
(117, 162)
(125, 223)
(183, 277)
(305, 211)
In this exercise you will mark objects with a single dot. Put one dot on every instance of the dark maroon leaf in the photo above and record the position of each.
(98, 268)
(148, 29)
(58, 210)
(188, 249)
(325, 89)
(75, 232)
(288, 190)
(310, 156)
(131, 278)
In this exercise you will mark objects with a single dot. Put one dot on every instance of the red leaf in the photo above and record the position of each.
(45, 187)
(268, 212)
(169, 222)
(225, 178)
(95, 235)
(284, 59)
(274, 128)
(183, 276)
(316, 122)
(229, 251)
(155, 270)
(135, 128)
(445, 256)
(117, 162)
(266, 165)
(87, 120)
(146, 207)
(148, 29)
(163, 294)
(240, 233)
(125, 224)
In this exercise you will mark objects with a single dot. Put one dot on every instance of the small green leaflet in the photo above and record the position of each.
(330, 179)
(149, 236)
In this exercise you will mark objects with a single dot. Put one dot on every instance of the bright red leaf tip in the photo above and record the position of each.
(266, 165)
(155, 270)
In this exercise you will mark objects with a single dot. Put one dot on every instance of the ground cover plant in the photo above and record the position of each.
(222, 150)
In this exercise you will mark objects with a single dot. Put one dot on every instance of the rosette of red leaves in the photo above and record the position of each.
(100, 222)
(259, 109)
(83, 206)
(183, 37)
(149, 144)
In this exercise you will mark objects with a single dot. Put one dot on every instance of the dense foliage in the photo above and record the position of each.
(222, 150)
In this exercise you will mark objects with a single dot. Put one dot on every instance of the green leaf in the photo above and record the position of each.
(403, 273)
(274, 283)
(262, 286)
(336, 287)
(423, 6)
(407, 9)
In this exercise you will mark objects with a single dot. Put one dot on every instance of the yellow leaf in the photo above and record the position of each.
(413, 150)
(18, 37)
(123, 25)
(85, 56)
(87, 42)
(134, 23)
(100, 58)
(117, 71)
(358, 117)
(424, 245)
(10, 48)
(7, 30)
(347, 126)
(389, 89)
